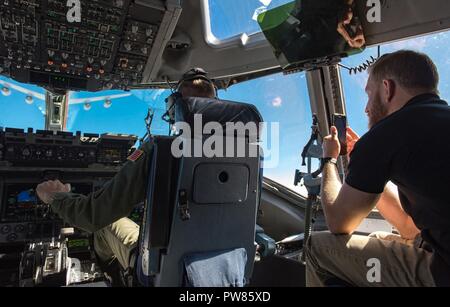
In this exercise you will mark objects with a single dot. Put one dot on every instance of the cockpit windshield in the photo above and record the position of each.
(117, 112)
(123, 115)
(19, 108)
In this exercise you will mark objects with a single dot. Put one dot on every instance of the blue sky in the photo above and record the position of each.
(282, 99)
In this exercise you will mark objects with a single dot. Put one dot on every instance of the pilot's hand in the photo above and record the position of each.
(352, 139)
(47, 190)
(331, 145)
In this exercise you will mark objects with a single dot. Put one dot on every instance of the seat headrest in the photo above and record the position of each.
(215, 110)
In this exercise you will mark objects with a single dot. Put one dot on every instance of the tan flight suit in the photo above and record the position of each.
(381, 260)
(103, 212)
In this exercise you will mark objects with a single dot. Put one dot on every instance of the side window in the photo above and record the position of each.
(283, 100)
(434, 45)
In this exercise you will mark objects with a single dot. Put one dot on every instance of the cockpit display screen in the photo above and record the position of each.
(309, 33)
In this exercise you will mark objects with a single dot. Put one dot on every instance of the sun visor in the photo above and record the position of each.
(222, 112)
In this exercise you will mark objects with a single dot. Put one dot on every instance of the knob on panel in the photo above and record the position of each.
(11, 237)
(5, 229)
(19, 228)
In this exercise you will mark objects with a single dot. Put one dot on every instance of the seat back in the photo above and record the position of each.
(199, 222)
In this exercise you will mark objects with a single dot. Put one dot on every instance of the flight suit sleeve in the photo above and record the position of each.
(112, 202)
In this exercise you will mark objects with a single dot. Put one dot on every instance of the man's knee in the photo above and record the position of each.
(125, 231)
(102, 247)
(100, 238)
(320, 243)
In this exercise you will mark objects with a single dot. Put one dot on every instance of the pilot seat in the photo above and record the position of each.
(199, 223)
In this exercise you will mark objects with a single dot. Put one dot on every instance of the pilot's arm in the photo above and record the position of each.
(107, 205)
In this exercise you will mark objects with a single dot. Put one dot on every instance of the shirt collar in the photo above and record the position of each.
(418, 100)
(428, 98)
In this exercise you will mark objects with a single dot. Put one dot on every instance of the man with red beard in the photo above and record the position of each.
(409, 145)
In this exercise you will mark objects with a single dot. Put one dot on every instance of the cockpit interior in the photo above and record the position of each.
(85, 83)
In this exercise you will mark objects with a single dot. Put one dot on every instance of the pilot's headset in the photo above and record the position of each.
(193, 74)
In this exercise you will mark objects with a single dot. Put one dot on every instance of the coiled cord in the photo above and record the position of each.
(364, 66)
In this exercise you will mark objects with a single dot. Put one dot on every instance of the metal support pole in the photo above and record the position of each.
(57, 106)
(326, 98)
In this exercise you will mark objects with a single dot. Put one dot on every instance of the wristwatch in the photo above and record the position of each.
(329, 160)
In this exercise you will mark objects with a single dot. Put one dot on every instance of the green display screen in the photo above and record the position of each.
(307, 32)
(78, 243)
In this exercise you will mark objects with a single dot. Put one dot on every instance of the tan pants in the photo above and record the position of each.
(117, 241)
(381, 260)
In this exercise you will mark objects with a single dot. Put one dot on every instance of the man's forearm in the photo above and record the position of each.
(391, 209)
(109, 204)
(91, 214)
(331, 186)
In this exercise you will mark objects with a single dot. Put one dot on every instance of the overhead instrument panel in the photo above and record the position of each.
(101, 45)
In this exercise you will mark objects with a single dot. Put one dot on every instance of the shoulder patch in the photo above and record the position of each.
(136, 155)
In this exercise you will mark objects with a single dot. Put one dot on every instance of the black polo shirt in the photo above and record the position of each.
(411, 148)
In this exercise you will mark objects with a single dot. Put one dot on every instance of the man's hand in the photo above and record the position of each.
(47, 190)
(358, 41)
(352, 139)
(331, 145)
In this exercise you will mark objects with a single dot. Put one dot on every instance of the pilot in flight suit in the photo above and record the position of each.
(104, 212)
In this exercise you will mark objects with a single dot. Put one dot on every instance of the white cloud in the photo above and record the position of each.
(277, 102)
(419, 43)
(42, 110)
(361, 79)
(149, 96)
(158, 93)
(72, 118)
